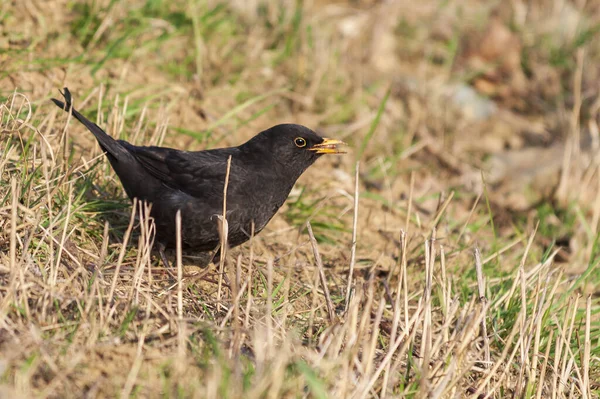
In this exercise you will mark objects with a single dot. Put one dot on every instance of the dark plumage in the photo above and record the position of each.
(263, 171)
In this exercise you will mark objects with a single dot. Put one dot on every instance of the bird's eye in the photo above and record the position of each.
(300, 142)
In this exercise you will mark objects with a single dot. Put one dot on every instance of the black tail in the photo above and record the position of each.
(113, 149)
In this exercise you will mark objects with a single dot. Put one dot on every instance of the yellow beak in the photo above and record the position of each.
(328, 146)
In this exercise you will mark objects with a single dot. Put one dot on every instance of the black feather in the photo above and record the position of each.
(263, 171)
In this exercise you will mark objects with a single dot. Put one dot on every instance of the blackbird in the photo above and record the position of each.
(262, 173)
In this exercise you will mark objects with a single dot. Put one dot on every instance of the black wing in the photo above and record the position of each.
(197, 173)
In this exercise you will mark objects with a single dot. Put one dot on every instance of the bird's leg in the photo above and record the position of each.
(163, 256)
(215, 256)
(169, 269)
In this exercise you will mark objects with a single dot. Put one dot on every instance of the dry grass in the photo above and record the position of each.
(424, 270)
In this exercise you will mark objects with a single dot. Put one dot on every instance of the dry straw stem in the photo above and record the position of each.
(483, 300)
(393, 350)
(234, 308)
(540, 388)
(354, 233)
(224, 232)
(398, 307)
(319, 262)
(524, 341)
(113, 285)
(13, 225)
(270, 340)
(441, 210)
(181, 323)
(426, 338)
(587, 348)
(54, 271)
(540, 309)
(9, 115)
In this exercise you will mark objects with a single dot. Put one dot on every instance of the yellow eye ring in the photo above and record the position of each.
(300, 142)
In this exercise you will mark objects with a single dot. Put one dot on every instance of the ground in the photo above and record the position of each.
(455, 249)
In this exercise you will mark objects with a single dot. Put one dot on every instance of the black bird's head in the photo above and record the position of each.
(295, 147)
